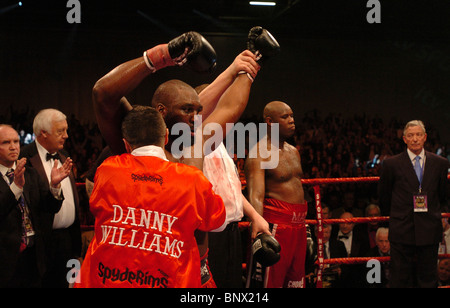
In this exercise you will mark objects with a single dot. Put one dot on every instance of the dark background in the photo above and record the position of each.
(331, 58)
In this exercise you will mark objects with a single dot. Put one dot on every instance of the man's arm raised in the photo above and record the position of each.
(110, 105)
(209, 97)
(232, 103)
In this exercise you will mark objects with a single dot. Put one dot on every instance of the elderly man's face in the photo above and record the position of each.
(383, 243)
(415, 139)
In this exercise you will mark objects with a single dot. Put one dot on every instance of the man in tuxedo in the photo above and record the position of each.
(23, 199)
(61, 231)
(353, 237)
(356, 245)
(412, 191)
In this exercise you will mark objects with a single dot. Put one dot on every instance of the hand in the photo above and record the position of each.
(245, 61)
(19, 173)
(259, 225)
(59, 174)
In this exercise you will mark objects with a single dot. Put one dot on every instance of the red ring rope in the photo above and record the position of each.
(320, 222)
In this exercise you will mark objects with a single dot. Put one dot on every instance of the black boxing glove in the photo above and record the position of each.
(266, 250)
(190, 49)
(262, 43)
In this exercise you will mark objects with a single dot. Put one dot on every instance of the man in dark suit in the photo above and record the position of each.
(382, 249)
(62, 232)
(412, 191)
(23, 199)
(332, 274)
(356, 245)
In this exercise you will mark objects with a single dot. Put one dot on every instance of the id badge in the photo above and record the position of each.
(420, 203)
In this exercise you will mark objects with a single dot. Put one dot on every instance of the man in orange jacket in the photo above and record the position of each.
(146, 210)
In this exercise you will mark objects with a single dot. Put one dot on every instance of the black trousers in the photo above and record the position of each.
(60, 251)
(225, 257)
(414, 266)
(26, 274)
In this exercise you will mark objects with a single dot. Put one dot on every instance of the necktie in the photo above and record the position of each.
(418, 168)
(50, 156)
(27, 227)
(10, 176)
(343, 237)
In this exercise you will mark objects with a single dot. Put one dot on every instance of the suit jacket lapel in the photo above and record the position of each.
(26, 191)
(3, 186)
(409, 171)
(429, 169)
(37, 164)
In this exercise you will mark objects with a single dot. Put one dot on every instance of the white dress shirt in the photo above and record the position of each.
(347, 241)
(413, 156)
(220, 170)
(66, 215)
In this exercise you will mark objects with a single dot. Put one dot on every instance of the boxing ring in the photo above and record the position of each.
(320, 222)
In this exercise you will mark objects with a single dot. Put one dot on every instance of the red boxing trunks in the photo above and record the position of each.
(289, 230)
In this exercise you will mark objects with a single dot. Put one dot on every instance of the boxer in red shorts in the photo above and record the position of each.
(277, 194)
(288, 228)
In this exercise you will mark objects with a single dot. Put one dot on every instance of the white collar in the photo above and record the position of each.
(413, 156)
(150, 150)
(350, 234)
(4, 169)
(42, 151)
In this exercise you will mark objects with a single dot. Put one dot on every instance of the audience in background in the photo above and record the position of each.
(331, 146)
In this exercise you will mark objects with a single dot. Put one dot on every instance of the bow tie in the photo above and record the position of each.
(343, 236)
(54, 156)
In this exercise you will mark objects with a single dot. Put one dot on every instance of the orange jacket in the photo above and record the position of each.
(146, 211)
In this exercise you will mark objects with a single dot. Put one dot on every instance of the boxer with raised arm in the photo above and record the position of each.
(174, 99)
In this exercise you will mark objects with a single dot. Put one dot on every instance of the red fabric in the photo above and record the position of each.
(146, 211)
(290, 231)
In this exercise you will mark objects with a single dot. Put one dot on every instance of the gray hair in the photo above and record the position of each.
(381, 230)
(414, 123)
(44, 120)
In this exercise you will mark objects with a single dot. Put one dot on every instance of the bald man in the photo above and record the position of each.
(277, 194)
(222, 102)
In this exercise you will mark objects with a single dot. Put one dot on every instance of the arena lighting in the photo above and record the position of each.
(263, 3)
(10, 7)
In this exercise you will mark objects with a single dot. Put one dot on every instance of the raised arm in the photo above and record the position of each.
(232, 103)
(209, 97)
(110, 105)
